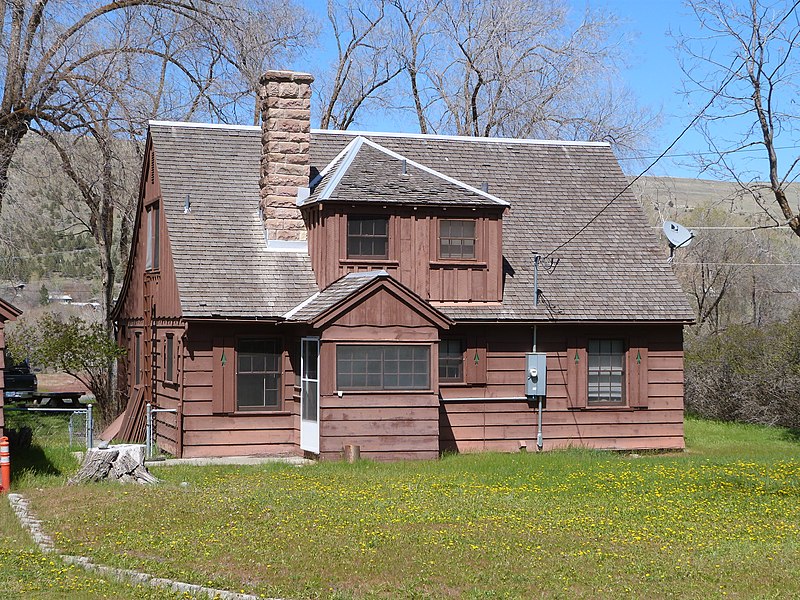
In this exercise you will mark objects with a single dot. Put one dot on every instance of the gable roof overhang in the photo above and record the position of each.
(126, 281)
(8, 312)
(346, 293)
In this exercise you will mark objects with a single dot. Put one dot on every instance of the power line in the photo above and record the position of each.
(691, 154)
(729, 264)
(652, 164)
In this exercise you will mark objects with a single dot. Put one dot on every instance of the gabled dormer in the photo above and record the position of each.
(372, 208)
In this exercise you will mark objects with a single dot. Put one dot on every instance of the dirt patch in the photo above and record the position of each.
(59, 382)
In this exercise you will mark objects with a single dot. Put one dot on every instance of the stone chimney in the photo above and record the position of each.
(285, 101)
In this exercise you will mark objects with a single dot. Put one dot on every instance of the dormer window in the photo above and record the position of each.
(457, 239)
(367, 237)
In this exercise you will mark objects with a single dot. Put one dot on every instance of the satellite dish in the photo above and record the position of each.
(678, 236)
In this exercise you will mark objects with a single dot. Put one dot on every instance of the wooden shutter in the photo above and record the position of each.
(637, 374)
(223, 399)
(577, 372)
(475, 361)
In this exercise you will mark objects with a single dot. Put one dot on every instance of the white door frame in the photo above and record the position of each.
(309, 427)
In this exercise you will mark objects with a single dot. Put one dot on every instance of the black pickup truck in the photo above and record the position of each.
(19, 381)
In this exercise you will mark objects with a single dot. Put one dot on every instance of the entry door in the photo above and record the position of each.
(309, 395)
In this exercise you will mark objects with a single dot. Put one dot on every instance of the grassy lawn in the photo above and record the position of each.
(25, 572)
(722, 520)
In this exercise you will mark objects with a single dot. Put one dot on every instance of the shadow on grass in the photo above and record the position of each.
(33, 461)
(792, 435)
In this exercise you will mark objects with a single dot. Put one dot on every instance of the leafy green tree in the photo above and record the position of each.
(74, 346)
(44, 295)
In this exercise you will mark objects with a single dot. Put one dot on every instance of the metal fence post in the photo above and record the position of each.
(149, 432)
(89, 427)
(71, 427)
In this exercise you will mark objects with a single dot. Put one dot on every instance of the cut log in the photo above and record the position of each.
(124, 463)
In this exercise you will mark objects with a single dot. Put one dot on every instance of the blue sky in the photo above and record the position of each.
(653, 74)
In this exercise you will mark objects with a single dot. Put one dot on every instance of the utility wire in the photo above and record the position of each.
(652, 164)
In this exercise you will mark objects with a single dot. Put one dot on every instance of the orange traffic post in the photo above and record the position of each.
(5, 466)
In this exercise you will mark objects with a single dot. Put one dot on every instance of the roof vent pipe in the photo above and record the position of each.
(405, 167)
(485, 187)
(187, 205)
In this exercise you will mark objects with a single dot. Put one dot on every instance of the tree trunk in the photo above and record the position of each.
(123, 463)
(10, 138)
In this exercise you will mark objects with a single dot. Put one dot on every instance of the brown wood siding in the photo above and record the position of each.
(387, 425)
(165, 293)
(504, 419)
(208, 432)
(413, 252)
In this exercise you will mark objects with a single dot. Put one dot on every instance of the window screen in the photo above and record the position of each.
(400, 367)
(606, 373)
(258, 377)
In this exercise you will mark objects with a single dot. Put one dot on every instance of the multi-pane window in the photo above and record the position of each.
(258, 377)
(457, 239)
(153, 241)
(451, 360)
(397, 367)
(169, 358)
(606, 371)
(367, 237)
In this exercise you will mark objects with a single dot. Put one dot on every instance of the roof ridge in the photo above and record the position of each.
(465, 138)
(193, 124)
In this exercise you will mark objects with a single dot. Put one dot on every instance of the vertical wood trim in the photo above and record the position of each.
(577, 372)
(637, 374)
(217, 381)
(229, 376)
(475, 374)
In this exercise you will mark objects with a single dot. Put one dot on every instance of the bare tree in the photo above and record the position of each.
(747, 59)
(365, 61)
(500, 67)
(45, 46)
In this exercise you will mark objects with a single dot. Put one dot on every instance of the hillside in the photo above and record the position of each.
(44, 242)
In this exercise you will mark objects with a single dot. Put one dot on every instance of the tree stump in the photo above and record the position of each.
(124, 463)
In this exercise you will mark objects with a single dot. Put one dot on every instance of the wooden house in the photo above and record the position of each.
(293, 291)
(8, 312)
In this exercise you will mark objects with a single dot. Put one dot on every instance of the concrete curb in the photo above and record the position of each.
(45, 543)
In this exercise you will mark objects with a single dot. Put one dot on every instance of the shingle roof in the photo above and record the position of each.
(366, 172)
(332, 295)
(221, 261)
(614, 270)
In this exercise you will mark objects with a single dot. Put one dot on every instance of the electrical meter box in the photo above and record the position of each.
(535, 374)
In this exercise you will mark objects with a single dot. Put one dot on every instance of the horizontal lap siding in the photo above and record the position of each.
(240, 434)
(503, 425)
(385, 426)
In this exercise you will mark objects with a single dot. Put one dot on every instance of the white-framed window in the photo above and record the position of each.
(258, 374)
(606, 377)
(395, 367)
